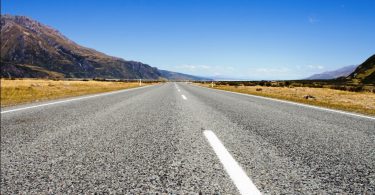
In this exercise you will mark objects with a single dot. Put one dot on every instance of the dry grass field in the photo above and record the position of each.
(360, 102)
(15, 92)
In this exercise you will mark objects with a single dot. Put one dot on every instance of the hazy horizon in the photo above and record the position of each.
(222, 39)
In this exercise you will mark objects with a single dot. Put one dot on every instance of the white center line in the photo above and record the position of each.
(177, 87)
(183, 97)
(236, 173)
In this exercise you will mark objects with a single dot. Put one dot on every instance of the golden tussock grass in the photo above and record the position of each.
(15, 92)
(360, 102)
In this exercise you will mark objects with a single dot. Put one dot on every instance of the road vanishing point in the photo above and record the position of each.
(178, 138)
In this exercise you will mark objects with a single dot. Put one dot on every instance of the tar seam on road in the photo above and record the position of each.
(295, 103)
(183, 97)
(74, 99)
(243, 183)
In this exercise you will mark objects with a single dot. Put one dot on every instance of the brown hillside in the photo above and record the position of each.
(31, 49)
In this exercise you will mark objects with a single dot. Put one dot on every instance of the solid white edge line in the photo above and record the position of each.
(243, 183)
(74, 99)
(184, 97)
(294, 103)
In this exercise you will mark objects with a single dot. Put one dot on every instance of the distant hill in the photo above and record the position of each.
(174, 76)
(342, 72)
(364, 73)
(32, 49)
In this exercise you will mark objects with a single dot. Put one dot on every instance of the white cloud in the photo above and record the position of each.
(229, 68)
(267, 73)
(188, 67)
(192, 67)
(316, 67)
(205, 67)
(272, 70)
(312, 19)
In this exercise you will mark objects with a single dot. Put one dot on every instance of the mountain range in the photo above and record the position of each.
(362, 74)
(32, 49)
(342, 72)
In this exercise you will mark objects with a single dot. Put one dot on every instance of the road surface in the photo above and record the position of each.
(179, 138)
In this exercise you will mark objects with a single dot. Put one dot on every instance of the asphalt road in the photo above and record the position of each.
(156, 139)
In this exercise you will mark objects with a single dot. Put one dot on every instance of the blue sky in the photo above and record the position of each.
(259, 39)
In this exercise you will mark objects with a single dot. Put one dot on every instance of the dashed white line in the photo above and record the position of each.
(236, 173)
(183, 97)
(177, 87)
(70, 100)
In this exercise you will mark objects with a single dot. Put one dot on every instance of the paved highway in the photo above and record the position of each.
(179, 138)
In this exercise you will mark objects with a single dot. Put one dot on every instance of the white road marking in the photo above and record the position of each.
(295, 103)
(178, 90)
(70, 100)
(236, 173)
(176, 87)
(183, 97)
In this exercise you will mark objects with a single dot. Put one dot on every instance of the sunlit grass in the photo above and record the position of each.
(15, 92)
(361, 102)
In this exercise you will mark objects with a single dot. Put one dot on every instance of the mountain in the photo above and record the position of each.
(342, 72)
(32, 49)
(364, 73)
(175, 76)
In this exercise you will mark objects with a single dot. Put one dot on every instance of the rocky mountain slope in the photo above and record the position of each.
(364, 73)
(342, 72)
(32, 49)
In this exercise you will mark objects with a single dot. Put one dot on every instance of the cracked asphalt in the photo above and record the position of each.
(150, 140)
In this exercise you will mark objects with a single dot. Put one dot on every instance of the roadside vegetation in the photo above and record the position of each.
(360, 99)
(21, 91)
